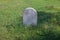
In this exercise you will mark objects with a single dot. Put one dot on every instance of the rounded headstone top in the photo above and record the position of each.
(30, 8)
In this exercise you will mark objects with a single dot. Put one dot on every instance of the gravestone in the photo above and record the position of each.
(30, 17)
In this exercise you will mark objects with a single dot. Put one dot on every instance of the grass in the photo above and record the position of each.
(11, 27)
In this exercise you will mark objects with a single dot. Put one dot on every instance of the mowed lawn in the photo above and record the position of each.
(11, 11)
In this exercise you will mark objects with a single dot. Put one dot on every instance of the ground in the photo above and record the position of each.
(12, 28)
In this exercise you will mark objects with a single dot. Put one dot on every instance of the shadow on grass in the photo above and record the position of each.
(45, 17)
(48, 17)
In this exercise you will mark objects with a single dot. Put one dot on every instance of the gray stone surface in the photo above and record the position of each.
(30, 16)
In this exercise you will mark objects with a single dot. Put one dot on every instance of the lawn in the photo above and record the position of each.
(12, 28)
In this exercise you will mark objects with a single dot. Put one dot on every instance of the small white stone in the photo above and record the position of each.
(30, 16)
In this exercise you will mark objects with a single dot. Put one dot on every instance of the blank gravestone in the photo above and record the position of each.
(30, 17)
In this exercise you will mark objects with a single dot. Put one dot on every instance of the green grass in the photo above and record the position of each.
(11, 27)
